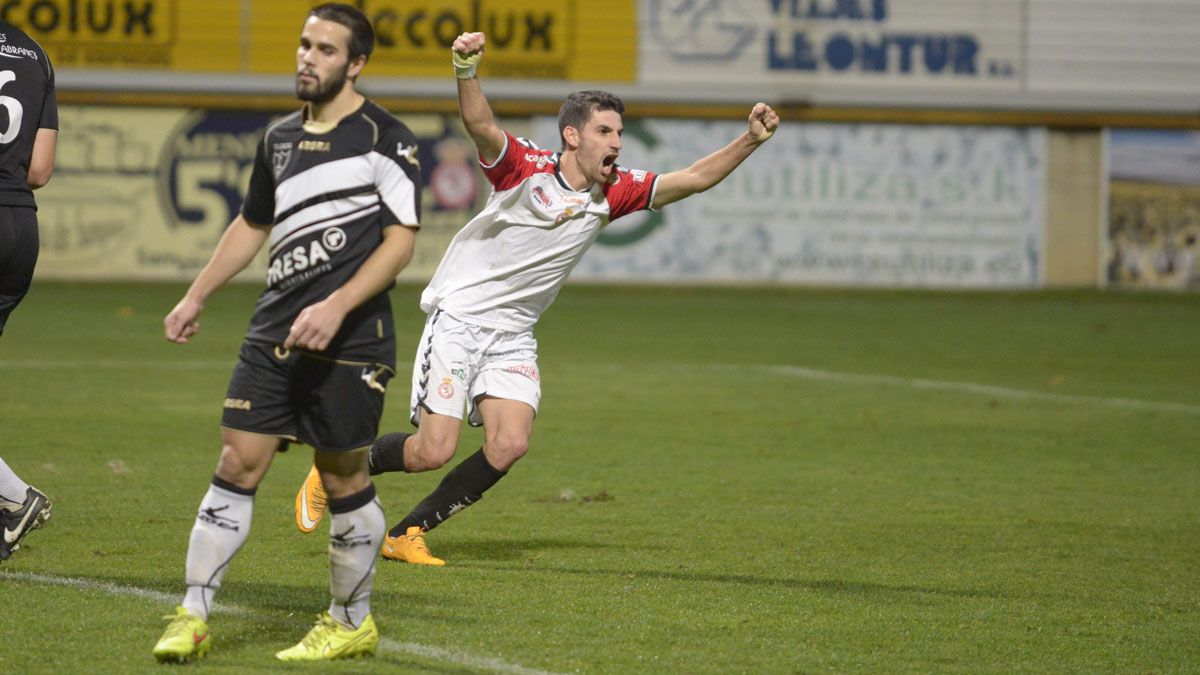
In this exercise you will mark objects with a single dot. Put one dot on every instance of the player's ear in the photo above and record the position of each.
(356, 66)
(571, 137)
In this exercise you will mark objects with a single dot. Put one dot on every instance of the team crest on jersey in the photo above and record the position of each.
(566, 215)
(281, 153)
(446, 388)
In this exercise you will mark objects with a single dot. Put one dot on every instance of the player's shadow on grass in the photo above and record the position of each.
(508, 549)
(291, 603)
(828, 586)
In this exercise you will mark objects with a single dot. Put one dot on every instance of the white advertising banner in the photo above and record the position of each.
(794, 45)
(1089, 54)
(861, 205)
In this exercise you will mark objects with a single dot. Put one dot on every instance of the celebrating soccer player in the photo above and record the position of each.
(501, 271)
(335, 194)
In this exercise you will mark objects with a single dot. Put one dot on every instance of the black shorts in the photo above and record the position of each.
(330, 404)
(18, 255)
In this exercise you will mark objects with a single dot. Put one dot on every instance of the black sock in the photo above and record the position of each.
(387, 454)
(463, 485)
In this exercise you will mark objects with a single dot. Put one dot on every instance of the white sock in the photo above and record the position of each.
(12, 488)
(222, 525)
(356, 530)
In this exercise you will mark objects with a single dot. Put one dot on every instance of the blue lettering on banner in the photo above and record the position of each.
(798, 37)
(887, 53)
(796, 48)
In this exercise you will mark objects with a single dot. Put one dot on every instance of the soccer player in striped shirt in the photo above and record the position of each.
(334, 195)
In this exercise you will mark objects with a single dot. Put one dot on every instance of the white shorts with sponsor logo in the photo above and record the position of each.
(459, 363)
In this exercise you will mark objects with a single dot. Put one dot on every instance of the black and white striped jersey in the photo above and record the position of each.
(327, 193)
(27, 104)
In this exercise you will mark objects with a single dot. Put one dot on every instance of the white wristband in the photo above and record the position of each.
(464, 66)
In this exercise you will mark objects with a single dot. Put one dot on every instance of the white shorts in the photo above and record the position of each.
(459, 363)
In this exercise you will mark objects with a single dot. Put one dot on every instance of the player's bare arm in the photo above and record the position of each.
(236, 249)
(472, 104)
(41, 162)
(317, 324)
(712, 169)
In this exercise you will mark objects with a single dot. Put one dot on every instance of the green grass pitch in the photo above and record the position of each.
(720, 480)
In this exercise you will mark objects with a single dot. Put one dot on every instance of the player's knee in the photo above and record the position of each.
(241, 469)
(503, 450)
(430, 453)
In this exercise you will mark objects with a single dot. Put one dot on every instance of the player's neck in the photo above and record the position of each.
(331, 112)
(568, 166)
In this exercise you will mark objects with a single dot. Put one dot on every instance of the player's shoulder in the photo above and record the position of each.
(10, 34)
(527, 152)
(289, 123)
(623, 178)
(386, 124)
(16, 43)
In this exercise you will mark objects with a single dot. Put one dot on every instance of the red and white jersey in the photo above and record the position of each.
(506, 266)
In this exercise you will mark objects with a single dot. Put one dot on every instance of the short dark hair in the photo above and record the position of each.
(579, 106)
(362, 34)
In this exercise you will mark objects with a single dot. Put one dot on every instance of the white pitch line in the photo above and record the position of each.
(457, 658)
(787, 371)
(965, 387)
(109, 588)
(118, 364)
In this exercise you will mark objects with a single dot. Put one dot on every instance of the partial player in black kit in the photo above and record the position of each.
(28, 139)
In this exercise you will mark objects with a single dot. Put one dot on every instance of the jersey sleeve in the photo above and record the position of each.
(516, 162)
(633, 191)
(49, 117)
(398, 176)
(259, 206)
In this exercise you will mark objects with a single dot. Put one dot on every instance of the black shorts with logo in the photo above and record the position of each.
(330, 404)
(18, 256)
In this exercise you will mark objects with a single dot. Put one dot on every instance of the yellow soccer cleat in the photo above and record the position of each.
(330, 640)
(310, 502)
(410, 547)
(185, 639)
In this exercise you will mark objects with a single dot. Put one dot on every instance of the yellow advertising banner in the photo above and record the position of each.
(183, 35)
(527, 39)
(534, 39)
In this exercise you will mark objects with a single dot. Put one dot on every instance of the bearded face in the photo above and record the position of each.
(323, 63)
(313, 88)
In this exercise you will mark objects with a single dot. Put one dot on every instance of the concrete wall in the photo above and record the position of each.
(1075, 185)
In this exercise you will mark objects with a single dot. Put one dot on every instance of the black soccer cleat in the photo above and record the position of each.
(15, 524)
